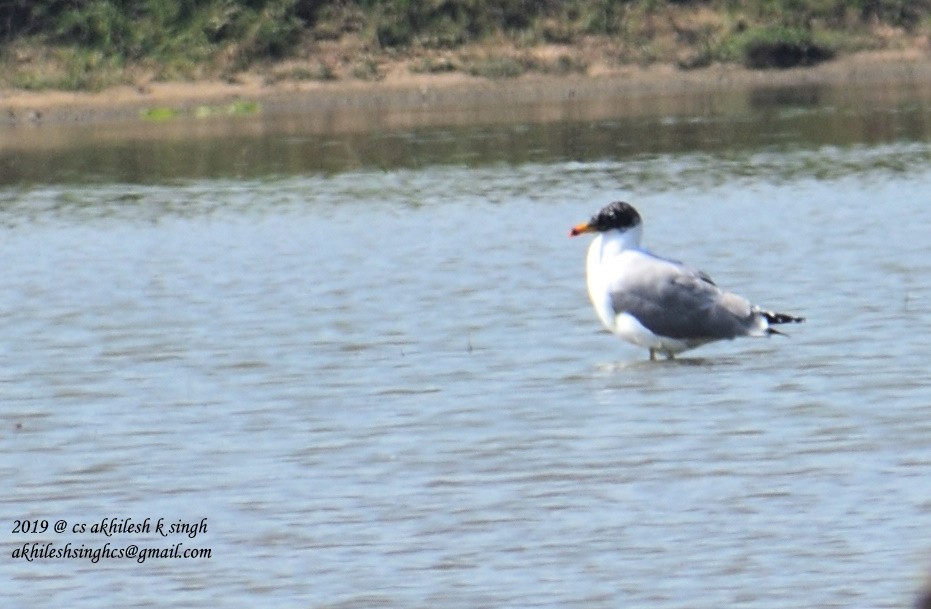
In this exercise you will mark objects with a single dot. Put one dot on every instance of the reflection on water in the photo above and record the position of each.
(585, 131)
(384, 386)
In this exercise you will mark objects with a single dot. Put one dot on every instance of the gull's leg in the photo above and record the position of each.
(670, 355)
(652, 355)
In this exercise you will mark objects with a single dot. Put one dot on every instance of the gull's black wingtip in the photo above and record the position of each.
(781, 318)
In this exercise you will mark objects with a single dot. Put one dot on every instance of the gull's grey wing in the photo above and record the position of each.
(685, 268)
(676, 301)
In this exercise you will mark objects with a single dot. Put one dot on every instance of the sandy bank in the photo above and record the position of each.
(430, 96)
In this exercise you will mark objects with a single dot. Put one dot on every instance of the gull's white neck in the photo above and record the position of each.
(613, 242)
(605, 246)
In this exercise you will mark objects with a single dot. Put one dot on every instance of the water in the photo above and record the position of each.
(382, 384)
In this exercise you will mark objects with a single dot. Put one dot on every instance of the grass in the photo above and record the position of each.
(778, 47)
(366, 68)
(498, 66)
(161, 114)
(433, 64)
(37, 68)
(90, 44)
(321, 71)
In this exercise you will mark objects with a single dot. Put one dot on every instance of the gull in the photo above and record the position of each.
(657, 303)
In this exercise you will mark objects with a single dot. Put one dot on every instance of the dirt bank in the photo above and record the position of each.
(430, 94)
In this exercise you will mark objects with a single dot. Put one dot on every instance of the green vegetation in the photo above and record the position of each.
(89, 44)
(780, 47)
(160, 114)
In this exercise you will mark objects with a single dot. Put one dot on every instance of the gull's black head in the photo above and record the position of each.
(618, 215)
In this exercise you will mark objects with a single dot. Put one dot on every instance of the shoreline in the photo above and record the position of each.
(437, 98)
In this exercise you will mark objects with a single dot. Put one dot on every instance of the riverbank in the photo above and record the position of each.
(429, 96)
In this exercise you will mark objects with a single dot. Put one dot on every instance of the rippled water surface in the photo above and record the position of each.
(383, 386)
